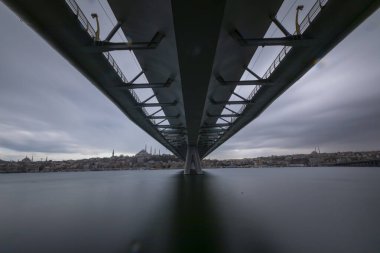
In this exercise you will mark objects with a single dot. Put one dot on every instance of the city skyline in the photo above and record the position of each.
(49, 109)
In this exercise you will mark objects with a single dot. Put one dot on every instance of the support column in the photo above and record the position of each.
(193, 162)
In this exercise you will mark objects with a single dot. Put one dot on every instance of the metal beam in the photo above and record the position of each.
(204, 131)
(224, 115)
(105, 46)
(230, 110)
(243, 82)
(156, 104)
(218, 125)
(130, 85)
(149, 98)
(243, 102)
(239, 96)
(174, 137)
(293, 40)
(163, 117)
(157, 124)
(155, 112)
(225, 120)
(166, 132)
(290, 40)
(170, 127)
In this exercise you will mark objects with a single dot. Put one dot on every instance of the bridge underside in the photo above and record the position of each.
(193, 54)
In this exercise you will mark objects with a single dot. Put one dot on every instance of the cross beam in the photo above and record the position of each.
(224, 115)
(289, 40)
(170, 127)
(243, 82)
(130, 85)
(240, 102)
(218, 125)
(164, 117)
(143, 104)
(105, 46)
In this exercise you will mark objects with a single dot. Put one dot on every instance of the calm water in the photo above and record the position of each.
(225, 210)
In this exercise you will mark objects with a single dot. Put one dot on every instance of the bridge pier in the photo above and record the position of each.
(193, 162)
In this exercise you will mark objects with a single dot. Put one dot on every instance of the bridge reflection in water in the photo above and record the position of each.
(192, 221)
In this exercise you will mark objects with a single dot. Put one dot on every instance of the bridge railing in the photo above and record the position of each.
(312, 14)
(86, 25)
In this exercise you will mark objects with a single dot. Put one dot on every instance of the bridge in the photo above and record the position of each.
(193, 54)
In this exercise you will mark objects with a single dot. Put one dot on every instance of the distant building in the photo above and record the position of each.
(142, 153)
(142, 156)
(26, 160)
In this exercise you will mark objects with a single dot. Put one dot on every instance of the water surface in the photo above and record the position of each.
(225, 210)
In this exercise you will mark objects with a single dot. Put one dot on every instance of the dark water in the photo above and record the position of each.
(226, 210)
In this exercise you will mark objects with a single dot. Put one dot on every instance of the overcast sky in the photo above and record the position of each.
(47, 108)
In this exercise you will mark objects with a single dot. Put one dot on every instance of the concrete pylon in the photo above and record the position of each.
(193, 162)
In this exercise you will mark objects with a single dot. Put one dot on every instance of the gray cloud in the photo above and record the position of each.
(47, 106)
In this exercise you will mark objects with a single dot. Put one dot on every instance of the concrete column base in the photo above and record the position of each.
(193, 162)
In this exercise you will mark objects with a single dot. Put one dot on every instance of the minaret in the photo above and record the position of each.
(159, 152)
(150, 149)
(113, 153)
